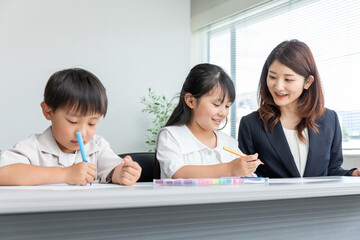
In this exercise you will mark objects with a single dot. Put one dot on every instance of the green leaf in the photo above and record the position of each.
(160, 109)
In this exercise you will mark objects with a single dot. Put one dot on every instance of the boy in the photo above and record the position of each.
(74, 101)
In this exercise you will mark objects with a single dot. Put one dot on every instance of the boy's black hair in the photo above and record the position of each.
(76, 90)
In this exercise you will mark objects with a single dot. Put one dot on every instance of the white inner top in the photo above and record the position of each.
(298, 149)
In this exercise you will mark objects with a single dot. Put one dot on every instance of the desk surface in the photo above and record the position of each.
(45, 199)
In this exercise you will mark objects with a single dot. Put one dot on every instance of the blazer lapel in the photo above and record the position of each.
(311, 160)
(279, 143)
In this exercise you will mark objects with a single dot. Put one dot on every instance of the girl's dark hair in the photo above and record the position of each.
(200, 81)
(298, 57)
(76, 90)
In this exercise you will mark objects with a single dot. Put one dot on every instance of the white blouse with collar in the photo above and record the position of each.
(177, 147)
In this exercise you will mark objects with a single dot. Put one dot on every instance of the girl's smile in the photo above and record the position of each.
(218, 121)
(209, 111)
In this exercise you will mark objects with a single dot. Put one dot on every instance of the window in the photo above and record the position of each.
(330, 28)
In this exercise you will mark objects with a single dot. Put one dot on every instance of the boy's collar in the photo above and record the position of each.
(48, 144)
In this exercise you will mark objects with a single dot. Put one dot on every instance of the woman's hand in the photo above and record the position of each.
(356, 172)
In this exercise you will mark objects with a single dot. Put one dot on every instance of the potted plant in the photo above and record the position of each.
(160, 108)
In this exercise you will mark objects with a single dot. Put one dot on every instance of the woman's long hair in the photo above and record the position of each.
(297, 56)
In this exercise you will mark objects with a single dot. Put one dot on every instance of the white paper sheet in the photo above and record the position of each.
(299, 180)
(63, 187)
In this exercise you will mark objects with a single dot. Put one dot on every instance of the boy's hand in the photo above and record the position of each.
(80, 173)
(126, 173)
(244, 166)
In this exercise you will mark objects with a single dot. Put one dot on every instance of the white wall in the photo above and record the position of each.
(205, 12)
(130, 45)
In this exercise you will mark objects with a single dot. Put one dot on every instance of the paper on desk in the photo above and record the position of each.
(62, 187)
(299, 180)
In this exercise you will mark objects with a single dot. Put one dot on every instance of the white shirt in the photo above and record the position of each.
(298, 149)
(177, 147)
(42, 150)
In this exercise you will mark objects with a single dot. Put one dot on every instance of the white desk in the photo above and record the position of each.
(326, 208)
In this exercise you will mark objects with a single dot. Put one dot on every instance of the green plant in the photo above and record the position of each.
(345, 135)
(160, 108)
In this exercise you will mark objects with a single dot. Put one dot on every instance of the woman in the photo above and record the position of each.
(292, 131)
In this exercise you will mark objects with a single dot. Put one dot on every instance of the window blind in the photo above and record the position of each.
(330, 28)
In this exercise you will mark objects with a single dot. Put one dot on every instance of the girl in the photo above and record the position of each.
(294, 134)
(189, 146)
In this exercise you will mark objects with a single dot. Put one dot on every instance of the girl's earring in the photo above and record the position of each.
(226, 121)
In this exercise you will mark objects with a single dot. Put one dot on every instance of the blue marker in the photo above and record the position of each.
(250, 179)
(82, 148)
(81, 145)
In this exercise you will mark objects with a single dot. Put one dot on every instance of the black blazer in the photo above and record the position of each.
(325, 151)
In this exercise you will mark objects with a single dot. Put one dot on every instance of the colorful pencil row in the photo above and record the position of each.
(210, 181)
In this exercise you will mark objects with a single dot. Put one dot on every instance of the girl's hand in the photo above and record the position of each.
(126, 173)
(244, 166)
(80, 173)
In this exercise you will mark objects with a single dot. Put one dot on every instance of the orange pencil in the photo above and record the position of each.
(234, 152)
(238, 153)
